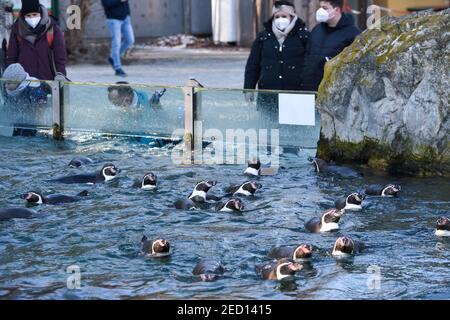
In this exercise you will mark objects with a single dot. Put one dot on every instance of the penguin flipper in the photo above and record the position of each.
(213, 198)
(83, 193)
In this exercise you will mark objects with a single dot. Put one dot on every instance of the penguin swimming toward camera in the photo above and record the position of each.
(321, 166)
(159, 248)
(106, 174)
(254, 169)
(198, 198)
(443, 227)
(208, 270)
(390, 190)
(248, 188)
(281, 270)
(300, 253)
(232, 205)
(328, 221)
(16, 213)
(78, 162)
(53, 199)
(148, 182)
(346, 247)
(351, 202)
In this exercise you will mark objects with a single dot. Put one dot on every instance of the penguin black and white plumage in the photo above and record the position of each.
(147, 183)
(351, 202)
(199, 197)
(78, 162)
(443, 227)
(159, 248)
(389, 190)
(321, 166)
(346, 247)
(300, 253)
(248, 188)
(232, 205)
(107, 173)
(37, 198)
(281, 270)
(253, 168)
(208, 270)
(16, 213)
(329, 221)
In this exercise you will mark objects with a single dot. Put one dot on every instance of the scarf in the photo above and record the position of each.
(30, 34)
(282, 35)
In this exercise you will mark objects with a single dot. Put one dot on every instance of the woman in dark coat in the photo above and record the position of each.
(37, 43)
(276, 58)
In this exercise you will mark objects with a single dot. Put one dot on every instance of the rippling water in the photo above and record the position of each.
(101, 235)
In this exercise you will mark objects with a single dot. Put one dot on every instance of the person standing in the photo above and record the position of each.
(336, 31)
(119, 23)
(37, 43)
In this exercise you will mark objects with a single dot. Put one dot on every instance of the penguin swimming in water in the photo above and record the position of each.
(281, 270)
(248, 188)
(328, 221)
(78, 162)
(254, 169)
(208, 270)
(16, 213)
(351, 202)
(159, 248)
(198, 198)
(321, 166)
(346, 247)
(107, 173)
(443, 227)
(390, 190)
(232, 205)
(300, 253)
(37, 198)
(147, 183)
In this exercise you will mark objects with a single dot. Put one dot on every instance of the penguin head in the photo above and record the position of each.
(205, 186)
(75, 163)
(160, 246)
(254, 164)
(391, 190)
(319, 164)
(287, 268)
(355, 198)
(234, 204)
(33, 197)
(443, 223)
(149, 181)
(332, 216)
(303, 251)
(110, 171)
(251, 186)
(343, 246)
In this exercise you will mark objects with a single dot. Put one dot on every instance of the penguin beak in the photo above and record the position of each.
(239, 205)
(295, 267)
(306, 249)
(211, 183)
(256, 185)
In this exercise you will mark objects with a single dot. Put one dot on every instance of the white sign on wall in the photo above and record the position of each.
(297, 109)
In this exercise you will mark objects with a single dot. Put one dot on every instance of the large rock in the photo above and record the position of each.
(384, 100)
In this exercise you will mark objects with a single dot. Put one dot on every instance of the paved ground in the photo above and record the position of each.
(172, 66)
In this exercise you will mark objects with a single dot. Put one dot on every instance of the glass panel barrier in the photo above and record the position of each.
(130, 110)
(25, 107)
(290, 118)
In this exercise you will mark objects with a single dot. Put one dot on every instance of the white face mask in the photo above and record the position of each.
(282, 23)
(33, 22)
(322, 15)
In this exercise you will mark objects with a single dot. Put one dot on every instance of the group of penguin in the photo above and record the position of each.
(285, 261)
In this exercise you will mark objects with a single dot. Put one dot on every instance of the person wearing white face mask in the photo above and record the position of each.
(336, 31)
(277, 55)
(37, 43)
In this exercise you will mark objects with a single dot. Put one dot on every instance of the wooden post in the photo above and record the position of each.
(57, 106)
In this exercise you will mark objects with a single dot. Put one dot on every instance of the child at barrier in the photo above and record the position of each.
(123, 95)
(24, 97)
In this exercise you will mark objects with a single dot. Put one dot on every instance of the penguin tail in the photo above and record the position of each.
(83, 193)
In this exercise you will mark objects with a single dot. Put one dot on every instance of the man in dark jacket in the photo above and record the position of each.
(119, 23)
(335, 31)
(37, 43)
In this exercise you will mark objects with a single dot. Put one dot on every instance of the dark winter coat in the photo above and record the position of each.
(326, 42)
(36, 58)
(116, 9)
(273, 69)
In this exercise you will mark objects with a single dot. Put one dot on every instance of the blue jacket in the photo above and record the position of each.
(326, 42)
(116, 9)
(30, 97)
